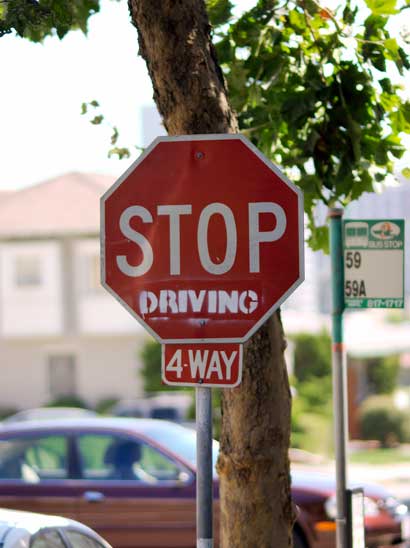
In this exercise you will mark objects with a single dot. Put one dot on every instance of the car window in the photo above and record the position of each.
(113, 457)
(47, 539)
(181, 441)
(33, 459)
(78, 540)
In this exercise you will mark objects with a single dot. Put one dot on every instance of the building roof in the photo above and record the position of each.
(64, 205)
(5, 193)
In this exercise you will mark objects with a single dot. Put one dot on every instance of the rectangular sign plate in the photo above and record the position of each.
(374, 263)
(193, 364)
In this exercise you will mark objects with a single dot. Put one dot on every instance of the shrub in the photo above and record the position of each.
(312, 355)
(381, 420)
(7, 412)
(312, 432)
(382, 374)
(316, 394)
(151, 369)
(67, 401)
(104, 406)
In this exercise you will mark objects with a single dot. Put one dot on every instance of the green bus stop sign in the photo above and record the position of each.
(373, 263)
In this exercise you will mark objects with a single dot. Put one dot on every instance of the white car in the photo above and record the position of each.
(28, 530)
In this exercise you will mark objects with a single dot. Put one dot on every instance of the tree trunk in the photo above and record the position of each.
(189, 90)
(254, 464)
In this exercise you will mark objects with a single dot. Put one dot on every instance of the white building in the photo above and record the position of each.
(61, 333)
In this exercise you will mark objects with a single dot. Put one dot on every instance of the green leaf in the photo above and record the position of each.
(219, 11)
(381, 155)
(382, 7)
(374, 27)
(114, 136)
(224, 50)
(364, 185)
(400, 119)
(387, 86)
(406, 172)
(121, 152)
(97, 120)
(389, 101)
(392, 45)
(319, 238)
(297, 21)
(349, 15)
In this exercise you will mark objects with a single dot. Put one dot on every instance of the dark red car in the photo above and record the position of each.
(133, 481)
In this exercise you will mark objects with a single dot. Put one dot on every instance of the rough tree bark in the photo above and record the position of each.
(189, 90)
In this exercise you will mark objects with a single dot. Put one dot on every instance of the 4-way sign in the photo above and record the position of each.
(201, 240)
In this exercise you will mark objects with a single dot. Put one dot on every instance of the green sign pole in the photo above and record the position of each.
(339, 374)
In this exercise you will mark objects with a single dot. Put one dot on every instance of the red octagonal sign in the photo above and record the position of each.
(202, 238)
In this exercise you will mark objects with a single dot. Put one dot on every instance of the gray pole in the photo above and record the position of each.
(204, 484)
(339, 375)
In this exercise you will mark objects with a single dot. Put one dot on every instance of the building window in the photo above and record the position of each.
(28, 271)
(62, 375)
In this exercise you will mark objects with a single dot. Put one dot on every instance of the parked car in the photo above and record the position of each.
(29, 530)
(133, 481)
(45, 413)
(169, 406)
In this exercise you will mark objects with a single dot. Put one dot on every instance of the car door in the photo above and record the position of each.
(134, 495)
(34, 472)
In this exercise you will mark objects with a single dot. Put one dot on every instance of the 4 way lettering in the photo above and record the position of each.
(204, 364)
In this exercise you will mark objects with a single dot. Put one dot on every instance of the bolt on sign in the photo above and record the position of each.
(374, 263)
(201, 240)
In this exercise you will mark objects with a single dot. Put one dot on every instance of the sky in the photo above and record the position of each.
(42, 133)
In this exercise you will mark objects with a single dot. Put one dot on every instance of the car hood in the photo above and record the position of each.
(325, 484)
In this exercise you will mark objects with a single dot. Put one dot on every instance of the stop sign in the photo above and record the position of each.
(202, 238)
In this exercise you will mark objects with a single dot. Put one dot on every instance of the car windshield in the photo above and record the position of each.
(181, 441)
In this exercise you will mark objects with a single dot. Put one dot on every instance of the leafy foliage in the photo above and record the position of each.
(312, 90)
(67, 401)
(151, 370)
(312, 402)
(312, 358)
(97, 118)
(36, 19)
(381, 420)
(382, 374)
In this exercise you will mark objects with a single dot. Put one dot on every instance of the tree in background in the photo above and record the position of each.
(311, 89)
(35, 20)
(316, 90)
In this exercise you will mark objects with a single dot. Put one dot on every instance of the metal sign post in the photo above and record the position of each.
(339, 374)
(204, 482)
(367, 264)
